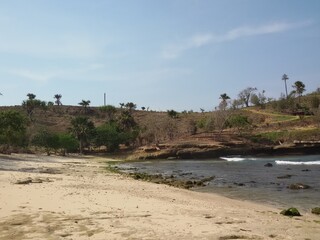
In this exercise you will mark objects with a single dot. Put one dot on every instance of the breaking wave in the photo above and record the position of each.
(297, 163)
(236, 159)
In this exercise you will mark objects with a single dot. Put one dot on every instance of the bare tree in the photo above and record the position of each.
(245, 94)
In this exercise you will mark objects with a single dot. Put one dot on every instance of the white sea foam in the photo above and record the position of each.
(233, 159)
(297, 163)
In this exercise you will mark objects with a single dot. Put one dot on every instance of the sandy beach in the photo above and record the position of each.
(77, 198)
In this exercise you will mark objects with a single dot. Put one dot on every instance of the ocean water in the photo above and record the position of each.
(245, 177)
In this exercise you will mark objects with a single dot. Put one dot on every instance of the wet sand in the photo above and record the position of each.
(76, 198)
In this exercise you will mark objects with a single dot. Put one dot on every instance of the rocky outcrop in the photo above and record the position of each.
(298, 186)
(316, 210)
(171, 180)
(205, 151)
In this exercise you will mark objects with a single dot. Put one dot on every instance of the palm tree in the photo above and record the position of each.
(85, 104)
(224, 97)
(299, 88)
(58, 97)
(31, 96)
(285, 78)
(131, 106)
(82, 128)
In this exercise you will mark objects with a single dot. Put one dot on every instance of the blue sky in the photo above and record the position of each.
(162, 54)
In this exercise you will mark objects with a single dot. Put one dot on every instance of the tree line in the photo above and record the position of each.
(81, 134)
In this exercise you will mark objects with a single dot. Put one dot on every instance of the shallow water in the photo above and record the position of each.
(247, 178)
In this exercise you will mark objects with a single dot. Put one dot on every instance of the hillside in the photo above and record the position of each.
(191, 134)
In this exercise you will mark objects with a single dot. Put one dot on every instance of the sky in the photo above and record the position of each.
(161, 54)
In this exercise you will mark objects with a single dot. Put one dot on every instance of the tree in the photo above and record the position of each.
(31, 96)
(109, 135)
(126, 121)
(299, 88)
(245, 94)
(31, 104)
(12, 128)
(85, 104)
(259, 99)
(131, 106)
(285, 78)
(143, 108)
(172, 113)
(128, 126)
(83, 129)
(58, 97)
(49, 141)
(223, 104)
(67, 143)
(236, 104)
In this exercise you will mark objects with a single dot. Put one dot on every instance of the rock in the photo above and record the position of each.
(306, 170)
(285, 176)
(30, 180)
(171, 158)
(239, 184)
(290, 212)
(298, 186)
(268, 165)
(24, 181)
(316, 210)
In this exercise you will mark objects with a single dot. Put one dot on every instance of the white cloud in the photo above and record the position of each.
(42, 76)
(58, 46)
(32, 75)
(200, 40)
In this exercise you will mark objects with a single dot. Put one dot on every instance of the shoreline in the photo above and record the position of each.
(81, 200)
(206, 152)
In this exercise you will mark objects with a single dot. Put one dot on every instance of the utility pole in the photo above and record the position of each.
(104, 99)
(285, 78)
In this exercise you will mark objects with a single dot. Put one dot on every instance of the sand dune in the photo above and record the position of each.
(76, 198)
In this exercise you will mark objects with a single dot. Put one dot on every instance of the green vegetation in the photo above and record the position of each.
(12, 129)
(109, 110)
(286, 135)
(173, 114)
(49, 141)
(240, 122)
(291, 212)
(83, 129)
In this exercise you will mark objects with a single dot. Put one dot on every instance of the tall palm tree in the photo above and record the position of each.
(285, 78)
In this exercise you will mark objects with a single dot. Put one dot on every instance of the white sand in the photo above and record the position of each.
(86, 202)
